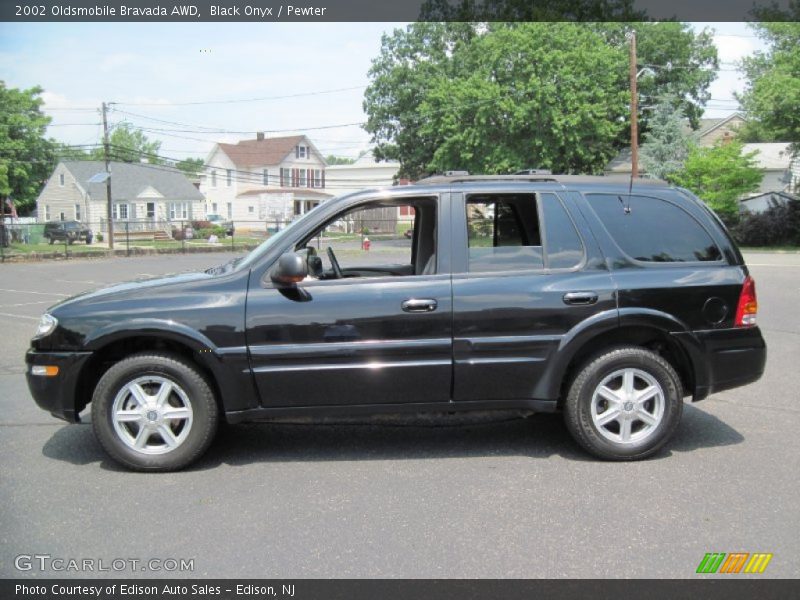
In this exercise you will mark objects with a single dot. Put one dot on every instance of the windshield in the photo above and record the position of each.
(271, 242)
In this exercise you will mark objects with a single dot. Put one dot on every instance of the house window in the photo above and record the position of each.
(151, 210)
(46, 212)
(213, 178)
(302, 178)
(265, 175)
(230, 210)
(286, 177)
(77, 212)
(213, 208)
(251, 209)
(61, 179)
(178, 210)
(301, 152)
(63, 217)
(317, 178)
(228, 177)
(121, 211)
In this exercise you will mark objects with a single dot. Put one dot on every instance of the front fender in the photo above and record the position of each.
(229, 366)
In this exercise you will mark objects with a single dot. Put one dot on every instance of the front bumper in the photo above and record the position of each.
(57, 394)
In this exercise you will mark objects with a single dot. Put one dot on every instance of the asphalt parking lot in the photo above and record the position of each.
(504, 498)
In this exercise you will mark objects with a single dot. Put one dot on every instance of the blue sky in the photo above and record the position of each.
(148, 68)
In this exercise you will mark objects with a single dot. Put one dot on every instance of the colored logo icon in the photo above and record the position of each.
(734, 562)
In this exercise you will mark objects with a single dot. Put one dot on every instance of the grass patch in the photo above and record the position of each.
(46, 248)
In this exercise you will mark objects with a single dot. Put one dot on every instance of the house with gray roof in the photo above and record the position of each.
(709, 132)
(145, 197)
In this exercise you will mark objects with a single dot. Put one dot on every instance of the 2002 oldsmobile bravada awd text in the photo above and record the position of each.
(608, 301)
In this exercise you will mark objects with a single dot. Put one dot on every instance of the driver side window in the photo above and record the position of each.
(376, 239)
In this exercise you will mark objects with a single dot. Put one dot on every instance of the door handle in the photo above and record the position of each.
(580, 298)
(414, 305)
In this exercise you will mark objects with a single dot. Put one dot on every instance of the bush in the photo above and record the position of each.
(779, 225)
(205, 232)
(201, 225)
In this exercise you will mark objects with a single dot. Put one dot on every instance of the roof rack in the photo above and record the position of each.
(618, 179)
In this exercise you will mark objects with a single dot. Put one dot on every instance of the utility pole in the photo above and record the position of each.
(634, 109)
(110, 206)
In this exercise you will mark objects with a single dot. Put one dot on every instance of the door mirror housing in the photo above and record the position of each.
(291, 269)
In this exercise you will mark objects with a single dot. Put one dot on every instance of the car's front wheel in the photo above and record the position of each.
(624, 404)
(154, 412)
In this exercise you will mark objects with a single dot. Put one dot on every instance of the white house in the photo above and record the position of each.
(775, 160)
(264, 182)
(366, 173)
(147, 197)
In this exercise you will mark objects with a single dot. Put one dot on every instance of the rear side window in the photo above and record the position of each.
(504, 233)
(652, 230)
(564, 246)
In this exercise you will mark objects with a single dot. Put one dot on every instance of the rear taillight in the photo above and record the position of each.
(747, 310)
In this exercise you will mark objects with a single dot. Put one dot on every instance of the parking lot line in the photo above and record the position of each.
(38, 293)
(27, 303)
(3, 314)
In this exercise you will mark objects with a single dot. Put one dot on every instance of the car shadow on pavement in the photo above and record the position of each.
(538, 436)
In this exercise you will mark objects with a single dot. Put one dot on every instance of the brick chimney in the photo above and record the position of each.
(260, 136)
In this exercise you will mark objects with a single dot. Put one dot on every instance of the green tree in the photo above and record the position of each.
(494, 97)
(191, 166)
(128, 144)
(25, 152)
(332, 159)
(67, 152)
(533, 95)
(667, 144)
(720, 175)
(772, 93)
(525, 10)
(680, 64)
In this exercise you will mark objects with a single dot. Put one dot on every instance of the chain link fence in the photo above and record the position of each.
(70, 239)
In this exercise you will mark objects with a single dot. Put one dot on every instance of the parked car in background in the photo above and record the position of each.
(71, 231)
(219, 221)
(607, 300)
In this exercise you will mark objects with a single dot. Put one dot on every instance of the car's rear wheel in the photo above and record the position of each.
(154, 412)
(50, 239)
(624, 404)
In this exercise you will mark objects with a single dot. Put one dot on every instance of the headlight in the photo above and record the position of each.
(46, 326)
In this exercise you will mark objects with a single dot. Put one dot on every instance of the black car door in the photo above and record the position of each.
(524, 278)
(363, 339)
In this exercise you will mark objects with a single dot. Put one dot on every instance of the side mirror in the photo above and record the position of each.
(291, 269)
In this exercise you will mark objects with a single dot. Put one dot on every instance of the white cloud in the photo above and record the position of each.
(733, 49)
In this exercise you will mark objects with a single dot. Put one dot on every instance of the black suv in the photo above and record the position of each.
(607, 301)
(71, 231)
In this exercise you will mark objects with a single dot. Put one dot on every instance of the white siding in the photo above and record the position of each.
(61, 198)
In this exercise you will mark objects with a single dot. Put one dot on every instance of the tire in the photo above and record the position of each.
(643, 395)
(50, 239)
(154, 435)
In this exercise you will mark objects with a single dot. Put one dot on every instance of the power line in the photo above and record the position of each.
(262, 99)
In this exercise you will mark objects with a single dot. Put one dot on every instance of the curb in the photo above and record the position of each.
(116, 253)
